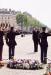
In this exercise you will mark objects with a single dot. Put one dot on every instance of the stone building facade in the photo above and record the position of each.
(7, 18)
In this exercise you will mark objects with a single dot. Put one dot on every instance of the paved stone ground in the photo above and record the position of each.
(24, 50)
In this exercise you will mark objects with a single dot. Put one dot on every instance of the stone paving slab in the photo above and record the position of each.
(24, 50)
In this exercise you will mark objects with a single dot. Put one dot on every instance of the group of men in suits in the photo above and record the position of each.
(10, 41)
(40, 37)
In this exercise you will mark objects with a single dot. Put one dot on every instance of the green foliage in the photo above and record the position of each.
(27, 20)
(19, 18)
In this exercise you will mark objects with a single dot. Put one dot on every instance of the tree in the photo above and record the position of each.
(26, 20)
(19, 19)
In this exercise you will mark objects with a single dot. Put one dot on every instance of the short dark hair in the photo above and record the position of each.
(12, 28)
(43, 28)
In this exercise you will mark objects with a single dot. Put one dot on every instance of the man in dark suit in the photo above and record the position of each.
(35, 39)
(10, 40)
(1, 43)
(43, 44)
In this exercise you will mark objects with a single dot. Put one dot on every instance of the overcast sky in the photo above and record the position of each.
(40, 9)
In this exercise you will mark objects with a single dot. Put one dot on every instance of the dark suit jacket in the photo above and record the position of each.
(35, 36)
(10, 38)
(43, 39)
(1, 38)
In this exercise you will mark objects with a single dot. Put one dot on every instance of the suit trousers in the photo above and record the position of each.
(1, 50)
(11, 51)
(44, 55)
(35, 46)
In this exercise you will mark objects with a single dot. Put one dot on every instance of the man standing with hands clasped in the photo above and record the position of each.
(35, 37)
